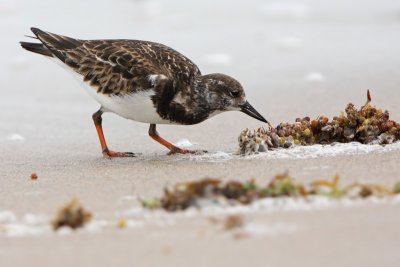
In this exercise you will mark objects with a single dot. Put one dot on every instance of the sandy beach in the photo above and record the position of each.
(294, 59)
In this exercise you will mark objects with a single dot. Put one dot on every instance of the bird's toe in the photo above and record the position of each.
(114, 154)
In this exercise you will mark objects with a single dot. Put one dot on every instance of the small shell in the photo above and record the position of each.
(307, 132)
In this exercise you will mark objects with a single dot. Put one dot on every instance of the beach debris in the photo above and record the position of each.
(185, 194)
(34, 176)
(150, 204)
(122, 223)
(233, 222)
(327, 188)
(72, 215)
(208, 190)
(396, 188)
(367, 125)
(283, 185)
(367, 190)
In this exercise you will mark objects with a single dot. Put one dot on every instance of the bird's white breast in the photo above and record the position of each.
(136, 106)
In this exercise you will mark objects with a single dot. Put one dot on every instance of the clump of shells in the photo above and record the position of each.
(367, 125)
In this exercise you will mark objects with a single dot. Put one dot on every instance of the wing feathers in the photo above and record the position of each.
(116, 66)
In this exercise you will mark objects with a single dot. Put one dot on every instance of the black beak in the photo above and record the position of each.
(249, 110)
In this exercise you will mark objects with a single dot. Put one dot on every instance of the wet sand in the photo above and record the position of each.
(293, 60)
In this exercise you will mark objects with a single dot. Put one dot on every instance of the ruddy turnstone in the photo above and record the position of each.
(143, 81)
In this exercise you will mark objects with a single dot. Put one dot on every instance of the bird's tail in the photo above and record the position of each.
(38, 48)
(52, 45)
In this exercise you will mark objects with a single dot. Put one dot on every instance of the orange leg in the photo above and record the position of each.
(173, 149)
(106, 152)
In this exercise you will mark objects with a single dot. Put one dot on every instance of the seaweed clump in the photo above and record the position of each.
(72, 215)
(184, 195)
(196, 193)
(367, 125)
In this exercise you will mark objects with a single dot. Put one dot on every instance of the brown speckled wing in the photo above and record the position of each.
(118, 67)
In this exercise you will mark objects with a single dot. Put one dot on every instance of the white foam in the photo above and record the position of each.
(96, 226)
(20, 230)
(37, 225)
(216, 156)
(290, 204)
(35, 219)
(396, 199)
(15, 137)
(7, 216)
(184, 143)
(219, 59)
(315, 77)
(317, 151)
(64, 231)
(134, 224)
(300, 152)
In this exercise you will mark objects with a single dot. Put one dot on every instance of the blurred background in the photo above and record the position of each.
(294, 58)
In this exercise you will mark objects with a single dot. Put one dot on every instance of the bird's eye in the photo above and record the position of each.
(234, 93)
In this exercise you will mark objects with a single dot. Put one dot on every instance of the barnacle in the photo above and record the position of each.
(365, 125)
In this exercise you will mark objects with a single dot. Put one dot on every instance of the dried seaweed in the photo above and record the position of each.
(396, 188)
(233, 222)
(327, 188)
(367, 125)
(72, 215)
(366, 190)
(191, 194)
(122, 223)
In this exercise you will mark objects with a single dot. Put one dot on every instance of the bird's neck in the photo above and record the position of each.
(204, 97)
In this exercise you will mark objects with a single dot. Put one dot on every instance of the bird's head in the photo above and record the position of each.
(227, 94)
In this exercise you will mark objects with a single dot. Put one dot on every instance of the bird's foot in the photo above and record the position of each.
(177, 150)
(113, 154)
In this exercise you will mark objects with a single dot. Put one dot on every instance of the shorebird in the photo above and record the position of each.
(143, 81)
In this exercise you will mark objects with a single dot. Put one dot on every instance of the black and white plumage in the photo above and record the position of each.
(143, 81)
